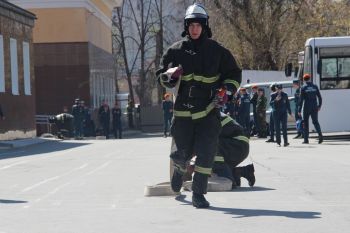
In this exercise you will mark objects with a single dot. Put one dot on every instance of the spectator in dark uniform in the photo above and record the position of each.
(272, 124)
(104, 117)
(280, 102)
(244, 110)
(2, 117)
(130, 112)
(310, 97)
(117, 120)
(78, 114)
(298, 119)
(261, 113)
(253, 101)
(167, 112)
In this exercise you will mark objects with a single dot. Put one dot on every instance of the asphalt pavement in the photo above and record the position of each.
(96, 186)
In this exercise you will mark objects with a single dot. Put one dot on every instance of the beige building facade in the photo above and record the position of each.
(73, 52)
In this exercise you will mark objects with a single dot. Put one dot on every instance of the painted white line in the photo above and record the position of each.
(40, 183)
(53, 178)
(98, 168)
(12, 165)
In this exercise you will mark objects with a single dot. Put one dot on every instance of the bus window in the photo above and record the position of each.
(308, 60)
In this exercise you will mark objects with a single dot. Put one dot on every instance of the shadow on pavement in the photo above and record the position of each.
(3, 201)
(47, 147)
(244, 213)
(251, 189)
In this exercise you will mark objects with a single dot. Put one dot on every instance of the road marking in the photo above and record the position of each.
(98, 168)
(12, 165)
(53, 178)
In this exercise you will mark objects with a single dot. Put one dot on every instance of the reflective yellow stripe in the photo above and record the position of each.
(196, 115)
(204, 113)
(219, 159)
(234, 82)
(202, 170)
(162, 83)
(179, 168)
(200, 78)
(182, 113)
(242, 138)
(226, 120)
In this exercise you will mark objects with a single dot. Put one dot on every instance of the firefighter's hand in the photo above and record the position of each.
(319, 109)
(172, 75)
(220, 98)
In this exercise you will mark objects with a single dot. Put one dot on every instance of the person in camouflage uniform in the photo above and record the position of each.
(261, 113)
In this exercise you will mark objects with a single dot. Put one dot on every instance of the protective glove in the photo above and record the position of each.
(172, 75)
(220, 98)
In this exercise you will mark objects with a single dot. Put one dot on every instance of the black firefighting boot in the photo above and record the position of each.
(199, 201)
(176, 180)
(179, 159)
(246, 172)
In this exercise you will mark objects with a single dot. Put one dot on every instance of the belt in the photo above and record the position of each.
(198, 92)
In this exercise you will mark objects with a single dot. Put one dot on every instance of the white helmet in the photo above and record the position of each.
(196, 13)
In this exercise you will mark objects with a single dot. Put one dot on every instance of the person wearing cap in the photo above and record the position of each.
(261, 113)
(167, 112)
(298, 119)
(208, 71)
(310, 102)
(272, 123)
(244, 110)
(280, 102)
(104, 115)
(253, 101)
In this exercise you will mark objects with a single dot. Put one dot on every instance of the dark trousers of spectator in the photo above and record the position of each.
(280, 118)
(167, 123)
(244, 121)
(117, 129)
(272, 127)
(105, 126)
(78, 129)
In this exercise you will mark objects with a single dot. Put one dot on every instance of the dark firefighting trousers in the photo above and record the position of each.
(231, 152)
(196, 137)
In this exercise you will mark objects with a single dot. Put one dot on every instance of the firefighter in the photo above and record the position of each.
(311, 100)
(204, 66)
(78, 114)
(232, 150)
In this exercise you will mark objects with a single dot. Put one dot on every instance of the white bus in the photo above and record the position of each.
(327, 60)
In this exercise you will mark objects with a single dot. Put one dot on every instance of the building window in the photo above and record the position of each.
(26, 68)
(2, 66)
(14, 66)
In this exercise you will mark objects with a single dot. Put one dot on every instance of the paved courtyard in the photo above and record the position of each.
(96, 186)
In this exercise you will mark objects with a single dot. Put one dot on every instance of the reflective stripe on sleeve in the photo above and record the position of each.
(242, 138)
(226, 120)
(219, 158)
(203, 170)
(234, 82)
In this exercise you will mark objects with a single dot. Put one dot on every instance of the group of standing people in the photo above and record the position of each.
(239, 107)
(308, 101)
(84, 125)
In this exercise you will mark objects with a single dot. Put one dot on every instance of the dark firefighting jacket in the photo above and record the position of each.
(207, 66)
